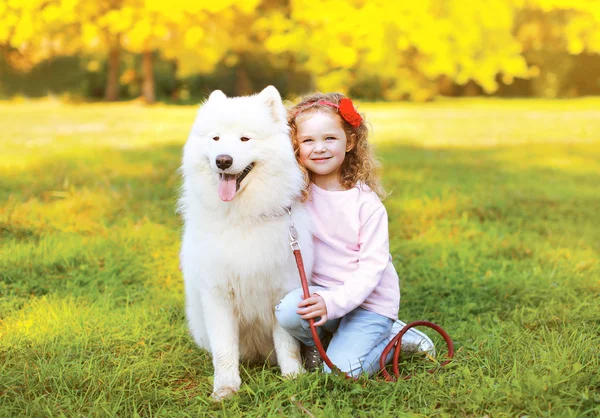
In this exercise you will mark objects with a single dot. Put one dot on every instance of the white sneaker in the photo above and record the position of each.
(414, 342)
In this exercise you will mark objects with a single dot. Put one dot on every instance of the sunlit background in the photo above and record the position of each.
(494, 203)
(178, 50)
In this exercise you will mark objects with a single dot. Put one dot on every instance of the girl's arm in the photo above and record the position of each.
(373, 260)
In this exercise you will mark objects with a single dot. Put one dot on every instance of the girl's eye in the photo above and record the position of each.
(245, 139)
(330, 138)
(216, 138)
(306, 140)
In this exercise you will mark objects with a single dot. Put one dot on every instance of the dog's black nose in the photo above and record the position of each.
(224, 161)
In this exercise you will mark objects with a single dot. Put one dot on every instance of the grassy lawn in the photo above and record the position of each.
(495, 232)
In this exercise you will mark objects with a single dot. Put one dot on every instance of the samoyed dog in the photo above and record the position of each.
(240, 178)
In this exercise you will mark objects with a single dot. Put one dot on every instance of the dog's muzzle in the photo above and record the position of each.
(229, 184)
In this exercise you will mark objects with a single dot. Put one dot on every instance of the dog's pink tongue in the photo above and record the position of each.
(227, 187)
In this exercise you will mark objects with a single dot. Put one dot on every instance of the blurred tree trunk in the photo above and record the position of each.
(446, 86)
(148, 87)
(112, 83)
(242, 81)
(555, 67)
(471, 89)
(176, 91)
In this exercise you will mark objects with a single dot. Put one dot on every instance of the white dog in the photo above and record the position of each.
(240, 177)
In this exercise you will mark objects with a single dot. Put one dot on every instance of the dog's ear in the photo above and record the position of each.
(216, 96)
(272, 98)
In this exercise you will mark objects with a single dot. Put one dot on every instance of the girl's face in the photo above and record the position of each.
(322, 147)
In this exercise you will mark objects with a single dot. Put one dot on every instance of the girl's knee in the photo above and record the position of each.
(287, 319)
(285, 311)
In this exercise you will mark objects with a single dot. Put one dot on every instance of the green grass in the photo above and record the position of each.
(494, 222)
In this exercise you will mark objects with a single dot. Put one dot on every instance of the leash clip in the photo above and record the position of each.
(292, 233)
(294, 238)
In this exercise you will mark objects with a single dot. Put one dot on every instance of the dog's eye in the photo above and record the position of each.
(216, 138)
(244, 139)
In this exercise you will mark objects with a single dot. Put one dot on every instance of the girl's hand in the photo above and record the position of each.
(313, 307)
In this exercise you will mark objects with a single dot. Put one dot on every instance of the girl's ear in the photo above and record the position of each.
(351, 142)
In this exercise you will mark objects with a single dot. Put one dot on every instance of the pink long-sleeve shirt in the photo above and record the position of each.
(352, 255)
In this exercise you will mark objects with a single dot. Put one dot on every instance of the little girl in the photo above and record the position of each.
(356, 294)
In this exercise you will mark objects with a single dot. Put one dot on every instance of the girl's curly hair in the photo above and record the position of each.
(360, 163)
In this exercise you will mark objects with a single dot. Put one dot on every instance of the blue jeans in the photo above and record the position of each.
(358, 340)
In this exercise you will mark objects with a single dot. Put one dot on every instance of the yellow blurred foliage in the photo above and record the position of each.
(409, 47)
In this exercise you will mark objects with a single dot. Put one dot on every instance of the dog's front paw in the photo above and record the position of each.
(223, 392)
(291, 368)
(294, 374)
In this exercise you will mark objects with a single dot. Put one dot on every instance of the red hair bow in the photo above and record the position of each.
(349, 113)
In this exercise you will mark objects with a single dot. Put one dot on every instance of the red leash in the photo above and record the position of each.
(396, 341)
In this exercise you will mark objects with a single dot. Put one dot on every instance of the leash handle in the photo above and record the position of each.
(311, 321)
(396, 343)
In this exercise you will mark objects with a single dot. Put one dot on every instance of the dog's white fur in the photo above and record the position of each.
(236, 258)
